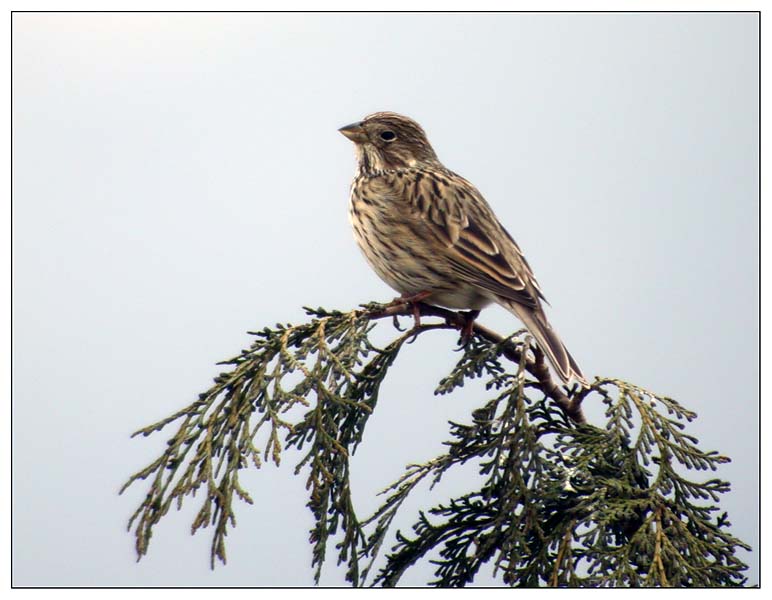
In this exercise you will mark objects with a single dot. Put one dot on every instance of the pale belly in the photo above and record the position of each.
(462, 298)
(410, 265)
(403, 273)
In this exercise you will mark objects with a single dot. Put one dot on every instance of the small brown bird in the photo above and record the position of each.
(431, 236)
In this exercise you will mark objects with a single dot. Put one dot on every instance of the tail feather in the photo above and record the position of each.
(549, 342)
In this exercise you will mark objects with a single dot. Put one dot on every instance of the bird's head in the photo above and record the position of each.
(386, 140)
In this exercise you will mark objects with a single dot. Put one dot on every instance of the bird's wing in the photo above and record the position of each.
(477, 246)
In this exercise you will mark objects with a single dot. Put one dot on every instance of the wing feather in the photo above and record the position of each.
(479, 249)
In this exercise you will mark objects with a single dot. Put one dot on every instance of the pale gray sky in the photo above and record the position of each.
(178, 180)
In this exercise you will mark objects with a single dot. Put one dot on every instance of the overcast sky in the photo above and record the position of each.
(179, 180)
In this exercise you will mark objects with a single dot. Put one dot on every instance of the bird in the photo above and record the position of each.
(430, 235)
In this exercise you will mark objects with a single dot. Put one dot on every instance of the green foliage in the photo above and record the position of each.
(557, 503)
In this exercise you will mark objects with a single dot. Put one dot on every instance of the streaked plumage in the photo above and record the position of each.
(424, 228)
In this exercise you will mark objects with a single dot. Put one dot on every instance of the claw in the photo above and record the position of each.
(413, 301)
(467, 331)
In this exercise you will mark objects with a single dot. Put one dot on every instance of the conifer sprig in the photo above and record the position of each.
(558, 502)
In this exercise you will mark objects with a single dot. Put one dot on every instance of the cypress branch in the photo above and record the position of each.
(559, 502)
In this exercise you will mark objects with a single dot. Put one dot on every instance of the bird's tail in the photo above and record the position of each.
(549, 342)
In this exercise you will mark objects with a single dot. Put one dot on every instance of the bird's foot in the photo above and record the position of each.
(413, 301)
(467, 330)
(395, 322)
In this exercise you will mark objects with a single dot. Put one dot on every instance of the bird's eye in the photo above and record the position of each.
(388, 136)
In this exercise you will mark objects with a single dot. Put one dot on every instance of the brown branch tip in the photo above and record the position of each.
(568, 399)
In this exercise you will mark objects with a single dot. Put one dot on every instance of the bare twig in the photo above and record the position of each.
(569, 403)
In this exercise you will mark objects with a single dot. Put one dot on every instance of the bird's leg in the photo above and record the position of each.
(413, 301)
(468, 327)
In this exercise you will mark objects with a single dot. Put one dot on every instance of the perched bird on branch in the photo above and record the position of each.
(430, 235)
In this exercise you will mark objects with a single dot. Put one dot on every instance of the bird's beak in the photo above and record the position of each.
(355, 132)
